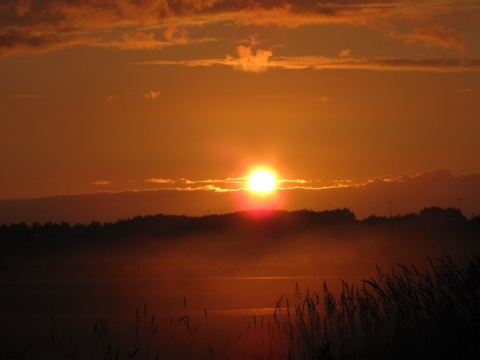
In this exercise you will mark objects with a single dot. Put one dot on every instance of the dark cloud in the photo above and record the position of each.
(47, 24)
(14, 39)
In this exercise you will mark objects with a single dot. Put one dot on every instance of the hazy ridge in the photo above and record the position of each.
(382, 197)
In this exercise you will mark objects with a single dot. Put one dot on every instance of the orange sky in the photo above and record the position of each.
(114, 95)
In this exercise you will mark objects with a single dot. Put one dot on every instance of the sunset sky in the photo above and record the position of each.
(115, 95)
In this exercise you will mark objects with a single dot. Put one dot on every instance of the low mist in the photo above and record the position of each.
(236, 269)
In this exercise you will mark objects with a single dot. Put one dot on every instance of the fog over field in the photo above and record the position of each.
(233, 264)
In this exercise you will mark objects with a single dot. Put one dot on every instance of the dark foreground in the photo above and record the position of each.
(211, 288)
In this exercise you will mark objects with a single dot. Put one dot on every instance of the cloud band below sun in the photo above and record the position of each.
(240, 184)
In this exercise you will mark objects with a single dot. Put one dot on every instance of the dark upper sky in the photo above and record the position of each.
(122, 94)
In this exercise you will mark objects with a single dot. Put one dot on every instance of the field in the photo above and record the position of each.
(274, 286)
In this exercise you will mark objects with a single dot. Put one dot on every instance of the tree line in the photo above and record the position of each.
(256, 223)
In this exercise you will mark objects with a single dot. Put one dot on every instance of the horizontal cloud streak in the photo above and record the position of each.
(102, 182)
(241, 183)
(159, 181)
(325, 63)
(436, 35)
(183, 184)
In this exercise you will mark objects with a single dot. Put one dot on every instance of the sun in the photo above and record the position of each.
(262, 181)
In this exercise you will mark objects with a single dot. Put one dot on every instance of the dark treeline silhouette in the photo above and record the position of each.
(252, 224)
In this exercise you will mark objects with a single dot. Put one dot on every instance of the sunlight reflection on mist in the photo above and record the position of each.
(229, 275)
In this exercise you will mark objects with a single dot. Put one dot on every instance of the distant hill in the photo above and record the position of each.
(381, 197)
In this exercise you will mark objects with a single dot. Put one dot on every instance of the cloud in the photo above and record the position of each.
(379, 181)
(466, 90)
(241, 183)
(51, 24)
(152, 95)
(302, 13)
(261, 60)
(176, 35)
(375, 15)
(437, 35)
(208, 188)
(377, 63)
(40, 39)
(250, 60)
(383, 179)
(23, 7)
(142, 40)
(230, 184)
(160, 181)
(221, 181)
(293, 181)
(102, 182)
(187, 181)
(184, 184)
(136, 41)
(247, 60)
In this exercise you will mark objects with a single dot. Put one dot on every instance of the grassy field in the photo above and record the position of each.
(243, 261)
(408, 313)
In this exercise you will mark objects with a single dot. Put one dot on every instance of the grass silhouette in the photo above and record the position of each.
(405, 314)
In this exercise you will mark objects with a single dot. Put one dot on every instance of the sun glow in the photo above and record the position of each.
(262, 181)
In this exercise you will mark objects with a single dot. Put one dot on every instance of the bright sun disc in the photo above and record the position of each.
(262, 181)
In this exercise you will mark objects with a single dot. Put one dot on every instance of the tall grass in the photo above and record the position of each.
(406, 314)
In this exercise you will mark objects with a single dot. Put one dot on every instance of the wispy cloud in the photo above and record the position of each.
(142, 40)
(236, 184)
(436, 35)
(251, 60)
(159, 181)
(152, 95)
(102, 182)
(383, 179)
(184, 183)
(240, 183)
(345, 52)
(221, 181)
(139, 40)
(207, 188)
(293, 181)
(41, 38)
(28, 25)
(52, 24)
